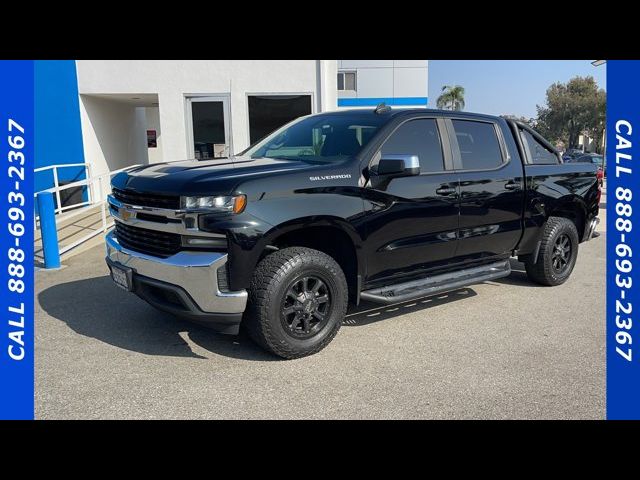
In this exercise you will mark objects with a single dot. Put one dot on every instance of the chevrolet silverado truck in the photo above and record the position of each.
(341, 207)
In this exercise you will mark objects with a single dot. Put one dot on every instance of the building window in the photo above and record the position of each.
(269, 112)
(347, 81)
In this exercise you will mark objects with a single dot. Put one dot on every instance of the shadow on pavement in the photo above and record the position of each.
(518, 277)
(96, 308)
(368, 312)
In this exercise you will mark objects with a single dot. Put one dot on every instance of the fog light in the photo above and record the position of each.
(206, 242)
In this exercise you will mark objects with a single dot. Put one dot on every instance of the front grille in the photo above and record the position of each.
(151, 242)
(147, 199)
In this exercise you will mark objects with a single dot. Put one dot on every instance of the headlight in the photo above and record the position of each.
(215, 204)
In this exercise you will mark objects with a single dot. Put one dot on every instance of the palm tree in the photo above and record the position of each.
(452, 98)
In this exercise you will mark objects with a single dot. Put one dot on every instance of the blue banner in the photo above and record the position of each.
(16, 247)
(623, 247)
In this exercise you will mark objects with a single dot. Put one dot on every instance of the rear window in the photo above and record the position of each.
(478, 143)
(538, 153)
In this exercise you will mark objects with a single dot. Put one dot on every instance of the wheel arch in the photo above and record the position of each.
(331, 235)
(573, 209)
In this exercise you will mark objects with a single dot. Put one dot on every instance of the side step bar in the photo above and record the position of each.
(423, 287)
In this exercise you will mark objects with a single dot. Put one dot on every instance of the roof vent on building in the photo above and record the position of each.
(382, 108)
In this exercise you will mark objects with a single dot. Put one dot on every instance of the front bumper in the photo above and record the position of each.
(185, 284)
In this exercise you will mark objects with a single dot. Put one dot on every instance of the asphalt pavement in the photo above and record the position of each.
(503, 349)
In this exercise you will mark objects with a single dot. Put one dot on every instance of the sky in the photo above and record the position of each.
(506, 87)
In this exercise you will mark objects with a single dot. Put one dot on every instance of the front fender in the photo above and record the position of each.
(243, 261)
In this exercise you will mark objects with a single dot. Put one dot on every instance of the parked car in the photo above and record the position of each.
(573, 153)
(594, 158)
(597, 160)
(339, 207)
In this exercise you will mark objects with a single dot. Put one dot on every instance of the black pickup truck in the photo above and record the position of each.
(379, 205)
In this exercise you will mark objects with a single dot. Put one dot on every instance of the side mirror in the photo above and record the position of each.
(398, 166)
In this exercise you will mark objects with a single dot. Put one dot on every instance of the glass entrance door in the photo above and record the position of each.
(209, 127)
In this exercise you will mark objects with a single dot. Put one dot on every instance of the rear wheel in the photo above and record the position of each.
(558, 253)
(297, 301)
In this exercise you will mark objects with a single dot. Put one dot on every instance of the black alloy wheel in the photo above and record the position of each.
(558, 252)
(297, 301)
(306, 307)
(561, 254)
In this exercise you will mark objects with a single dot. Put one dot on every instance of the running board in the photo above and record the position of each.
(423, 287)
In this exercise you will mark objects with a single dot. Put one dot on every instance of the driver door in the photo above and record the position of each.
(412, 222)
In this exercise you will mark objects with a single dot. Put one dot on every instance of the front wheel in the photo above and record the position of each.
(297, 300)
(558, 253)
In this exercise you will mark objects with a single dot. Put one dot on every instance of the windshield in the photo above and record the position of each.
(319, 138)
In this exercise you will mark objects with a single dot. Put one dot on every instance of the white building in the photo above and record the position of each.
(366, 83)
(111, 114)
(135, 112)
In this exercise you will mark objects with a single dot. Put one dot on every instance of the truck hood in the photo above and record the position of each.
(210, 177)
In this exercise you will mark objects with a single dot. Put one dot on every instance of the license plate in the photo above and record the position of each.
(122, 277)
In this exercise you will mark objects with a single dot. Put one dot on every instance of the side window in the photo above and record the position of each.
(417, 137)
(478, 142)
(537, 152)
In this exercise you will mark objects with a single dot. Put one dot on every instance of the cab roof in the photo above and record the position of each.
(408, 112)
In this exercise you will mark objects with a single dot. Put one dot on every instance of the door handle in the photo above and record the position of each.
(511, 185)
(446, 191)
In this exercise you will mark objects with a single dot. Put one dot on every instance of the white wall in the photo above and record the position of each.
(153, 123)
(172, 81)
(138, 140)
(395, 79)
(112, 133)
(327, 75)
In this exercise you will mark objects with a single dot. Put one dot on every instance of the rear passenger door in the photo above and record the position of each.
(491, 190)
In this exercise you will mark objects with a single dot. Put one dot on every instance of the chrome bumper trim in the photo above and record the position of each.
(195, 272)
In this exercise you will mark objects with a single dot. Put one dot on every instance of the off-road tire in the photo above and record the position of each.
(269, 285)
(542, 271)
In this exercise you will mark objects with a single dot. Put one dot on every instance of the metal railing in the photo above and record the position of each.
(98, 188)
(56, 183)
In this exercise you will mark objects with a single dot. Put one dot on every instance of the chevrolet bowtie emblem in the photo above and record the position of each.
(125, 214)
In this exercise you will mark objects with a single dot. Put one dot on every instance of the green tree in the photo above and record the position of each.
(452, 98)
(571, 109)
(596, 129)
